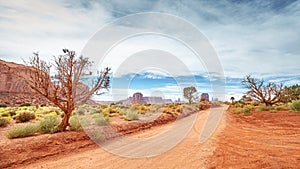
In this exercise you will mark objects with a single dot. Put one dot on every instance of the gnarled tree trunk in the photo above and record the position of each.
(65, 121)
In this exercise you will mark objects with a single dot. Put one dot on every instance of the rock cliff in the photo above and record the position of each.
(13, 88)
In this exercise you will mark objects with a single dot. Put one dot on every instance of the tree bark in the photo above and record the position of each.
(65, 121)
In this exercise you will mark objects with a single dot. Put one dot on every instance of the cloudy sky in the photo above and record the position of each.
(259, 37)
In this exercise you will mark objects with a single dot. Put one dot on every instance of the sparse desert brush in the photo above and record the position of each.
(47, 110)
(273, 110)
(49, 124)
(295, 106)
(283, 107)
(110, 111)
(143, 109)
(254, 103)
(247, 110)
(155, 107)
(97, 135)
(75, 123)
(263, 107)
(168, 110)
(84, 109)
(100, 119)
(204, 105)
(24, 116)
(22, 131)
(4, 121)
(237, 110)
(238, 104)
(80, 111)
(131, 115)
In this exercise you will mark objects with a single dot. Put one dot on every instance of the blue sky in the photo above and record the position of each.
(259, 37)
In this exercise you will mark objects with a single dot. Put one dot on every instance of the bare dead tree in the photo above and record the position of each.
(269, 93)
(65, 90)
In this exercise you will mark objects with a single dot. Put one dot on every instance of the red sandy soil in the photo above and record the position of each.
(262, 140)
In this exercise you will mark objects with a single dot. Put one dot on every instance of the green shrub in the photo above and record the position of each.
(110, 110)
(295, 105)
(97, 135)
(3, 105)
(22, 131)
(74, 123)
(204, 106)
(273, 110)
(131, 115)
(80, 111)
(237, 110)
(255, 103)
(25, 116)
(4, 121)
(50, 124)
(282, 107)
(238, 104)
(100, 119)
(247, 111)
(25, 105)
(263, 107)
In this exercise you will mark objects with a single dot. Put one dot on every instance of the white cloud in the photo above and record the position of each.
(256, 37)
(46, 26)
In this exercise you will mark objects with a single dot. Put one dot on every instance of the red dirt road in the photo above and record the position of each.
(187, 154)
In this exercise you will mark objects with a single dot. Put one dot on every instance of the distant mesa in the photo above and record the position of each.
(205, 97)
(138, 98)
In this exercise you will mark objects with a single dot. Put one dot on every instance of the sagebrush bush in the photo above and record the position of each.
(4, 121)
(131, 115)
(49, 124)
(282, 107)
(110, 111)
(247, 110)
(204, 106)
(74, 123)
(295, 105)
(80, 111)
(263, 107)
(22, 131)
(237, 110)
(47, 110)
(97, 136)
(25, 116)
(238, 104)
(100, 119)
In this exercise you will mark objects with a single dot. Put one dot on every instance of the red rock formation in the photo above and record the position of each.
(13, 88)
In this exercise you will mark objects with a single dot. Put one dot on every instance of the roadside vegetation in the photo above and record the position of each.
(27, 120)
(266, 96)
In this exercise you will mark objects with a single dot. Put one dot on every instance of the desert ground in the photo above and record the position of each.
(262, 140)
